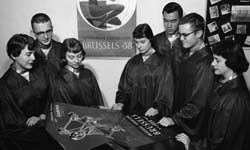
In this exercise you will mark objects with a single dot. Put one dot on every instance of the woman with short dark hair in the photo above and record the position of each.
(75, 84)
(228, 108)
(146, 84)
(24, 99)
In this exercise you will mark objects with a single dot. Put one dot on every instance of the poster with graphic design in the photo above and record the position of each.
(75, 127)
(105, 27)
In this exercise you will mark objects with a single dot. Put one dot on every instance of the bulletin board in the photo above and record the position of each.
(228, 19)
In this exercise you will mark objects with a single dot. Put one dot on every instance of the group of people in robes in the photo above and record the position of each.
(175, 76)
(43, 71)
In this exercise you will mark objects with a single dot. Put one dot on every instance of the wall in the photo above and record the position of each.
(16, 14)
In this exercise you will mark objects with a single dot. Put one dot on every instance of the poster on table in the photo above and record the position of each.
(75, 127)
(105, 27)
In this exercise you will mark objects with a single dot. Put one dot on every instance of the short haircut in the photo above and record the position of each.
(143, 31)
(71, 45)
(172, 7)
(196, 21)
(17, 43)
(39, 18)
(234, 55)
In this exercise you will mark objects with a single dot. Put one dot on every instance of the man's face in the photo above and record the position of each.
(43, 32)
(171, 22)
(188, 36)
(25, 60)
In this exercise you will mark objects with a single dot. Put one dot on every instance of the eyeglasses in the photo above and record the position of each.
(185, 35)
(43, 33)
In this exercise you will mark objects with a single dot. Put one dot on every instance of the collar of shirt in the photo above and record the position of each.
(202, 46)
(73, 70)
(172, 38)
(24, 74)
(145, 57)
(46, 51)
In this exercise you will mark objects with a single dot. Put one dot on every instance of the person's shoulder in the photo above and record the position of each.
(56, 43)
(134, 58)
(86, 72)
(161, 34)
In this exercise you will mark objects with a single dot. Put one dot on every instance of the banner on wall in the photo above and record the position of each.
(105, 27)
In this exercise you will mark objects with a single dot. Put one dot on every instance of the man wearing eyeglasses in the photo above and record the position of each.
(196, 80)
(47, 50)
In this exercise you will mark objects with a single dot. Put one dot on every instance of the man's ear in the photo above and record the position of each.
(32, 33)
(199, 33)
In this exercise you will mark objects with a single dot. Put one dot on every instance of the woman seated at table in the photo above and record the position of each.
(146, 84)
(23, 100)
(75, 84)
(229, 109)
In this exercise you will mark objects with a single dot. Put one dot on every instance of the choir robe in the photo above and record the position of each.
(52, 61)
(19, 100)
(146, 84)
(196, 84)
(229, 113)
(83, 90)
(175, 52)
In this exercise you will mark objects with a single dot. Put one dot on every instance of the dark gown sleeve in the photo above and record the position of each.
(124, 86)
(14, 133)
(97, 96)
(229, 123)
(59, 91)
(163, 101)
(189, 117)
(10, 114)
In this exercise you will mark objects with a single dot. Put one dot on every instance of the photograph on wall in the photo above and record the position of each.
(214, 13)
(214, 39)
(212, 26)
(241, 29)
(229, 37)
(225, 9)
(214, 1)
(226, 27)
(247, 41)
(244, 0)
(240, 13)
(233, 21)
(105, 27)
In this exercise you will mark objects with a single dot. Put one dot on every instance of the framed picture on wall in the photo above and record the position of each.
(105, 27)
(233, 19)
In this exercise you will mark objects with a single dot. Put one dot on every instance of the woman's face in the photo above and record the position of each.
(25, 60)
(219, 66)
(74, 59)
(143, 45)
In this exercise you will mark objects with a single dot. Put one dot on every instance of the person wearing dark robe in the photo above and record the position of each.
(75, 84)
(146, 83)
(168, 42)
(47, 50)
(196, 80)
(24, 100)
(228, 111)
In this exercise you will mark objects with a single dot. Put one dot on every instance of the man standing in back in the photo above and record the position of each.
(47, 50)
(168, 42)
